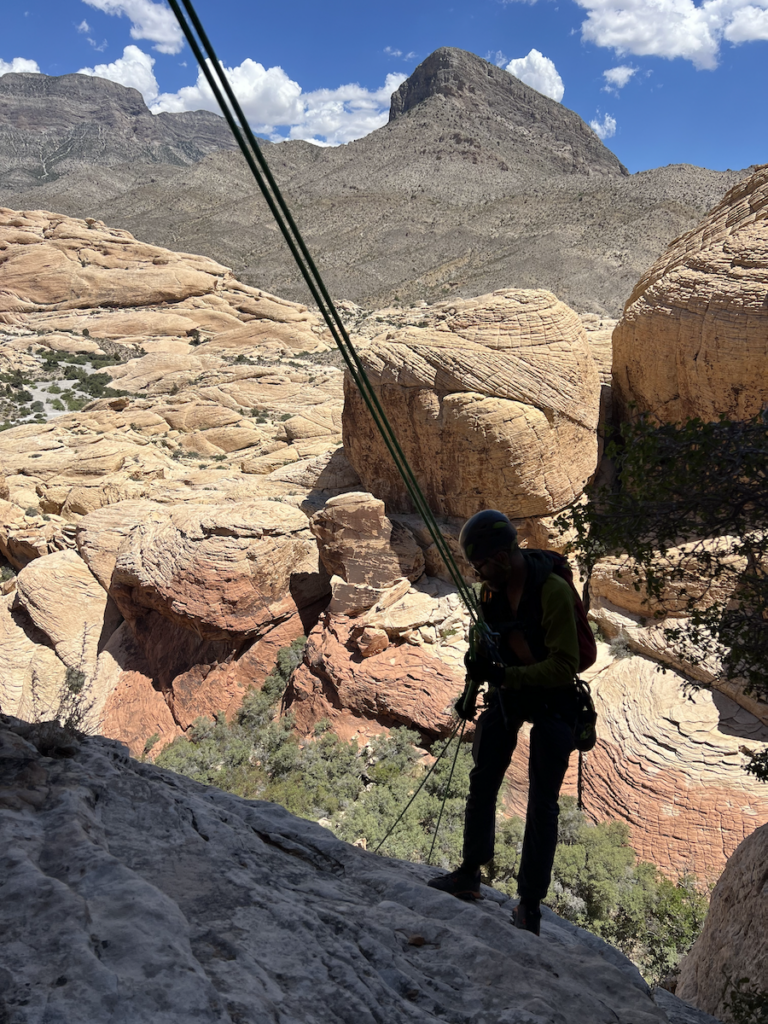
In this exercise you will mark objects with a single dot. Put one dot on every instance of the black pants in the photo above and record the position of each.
(551, 746)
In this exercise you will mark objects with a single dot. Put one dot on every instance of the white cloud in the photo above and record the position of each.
(335, 116)
(747, 24)
(617, 78)
(271, 100)
(267, 95)
(393, 53)
(497, 57)
(540, 73)
(133, 69)
(606, 129)
(149, 20)
(674, 28)
(84, 27)
(19, 65)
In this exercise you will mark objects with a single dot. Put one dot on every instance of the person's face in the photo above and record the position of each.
(494, 570)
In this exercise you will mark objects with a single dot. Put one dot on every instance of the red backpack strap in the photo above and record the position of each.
(586, 638)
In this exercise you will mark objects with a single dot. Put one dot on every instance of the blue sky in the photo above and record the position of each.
(661, 81)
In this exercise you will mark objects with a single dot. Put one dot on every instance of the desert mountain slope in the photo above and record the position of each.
(50, 127)
(476, 183)
(536, 133)
(131, 893)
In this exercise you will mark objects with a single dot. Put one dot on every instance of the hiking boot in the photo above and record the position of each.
(463, 884)
(528, 917)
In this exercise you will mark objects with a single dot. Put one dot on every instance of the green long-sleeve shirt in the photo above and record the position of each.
(558, 620)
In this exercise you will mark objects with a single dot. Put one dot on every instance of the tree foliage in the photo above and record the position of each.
(688, 507)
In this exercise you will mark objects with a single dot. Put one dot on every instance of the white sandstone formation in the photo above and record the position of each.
(693, 340)
(496, 406)
(732, 951)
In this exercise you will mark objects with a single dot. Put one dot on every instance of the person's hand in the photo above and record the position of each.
(466, 706)
(481, 669)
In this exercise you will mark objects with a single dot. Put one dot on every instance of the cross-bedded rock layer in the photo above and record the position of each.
(732, 951)
(693, 340)
(495, 407)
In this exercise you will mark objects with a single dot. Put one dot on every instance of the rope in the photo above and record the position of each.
(230, 108)
(447, 789)
(580, 783)
(421, 785)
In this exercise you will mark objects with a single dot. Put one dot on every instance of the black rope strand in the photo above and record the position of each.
(419, 788)
(447, 789)
(279, 209)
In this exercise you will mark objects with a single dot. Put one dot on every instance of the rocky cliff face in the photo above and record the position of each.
(692, 341)
(732, 951)
(53, 126)
(130, 890)
(550, 138)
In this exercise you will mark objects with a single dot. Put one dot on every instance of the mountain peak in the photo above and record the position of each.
(551, 137)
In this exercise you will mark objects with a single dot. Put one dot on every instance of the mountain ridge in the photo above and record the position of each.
(480, 87)
(49, 122)
(477, 182)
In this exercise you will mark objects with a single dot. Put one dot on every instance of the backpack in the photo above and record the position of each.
(584, 731)
(586, 638)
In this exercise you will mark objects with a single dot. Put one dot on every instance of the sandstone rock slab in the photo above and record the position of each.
(195, 904)
(64, 600)
(693, 340)
(733, 945)
(220, 570)
(497, 407)
(402, 685)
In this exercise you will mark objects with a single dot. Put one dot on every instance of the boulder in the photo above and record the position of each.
(102, 533)
(732, 949)
(495, 407)
(365, 551)
(401, 685)
(692, 340)
(25, 535)
(329, 472)
(64, 600)
(31, 674)
(219, 570)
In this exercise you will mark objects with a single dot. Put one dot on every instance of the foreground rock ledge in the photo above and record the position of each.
(132, 894)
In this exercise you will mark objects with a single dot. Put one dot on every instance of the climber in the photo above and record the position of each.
(530, 674)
